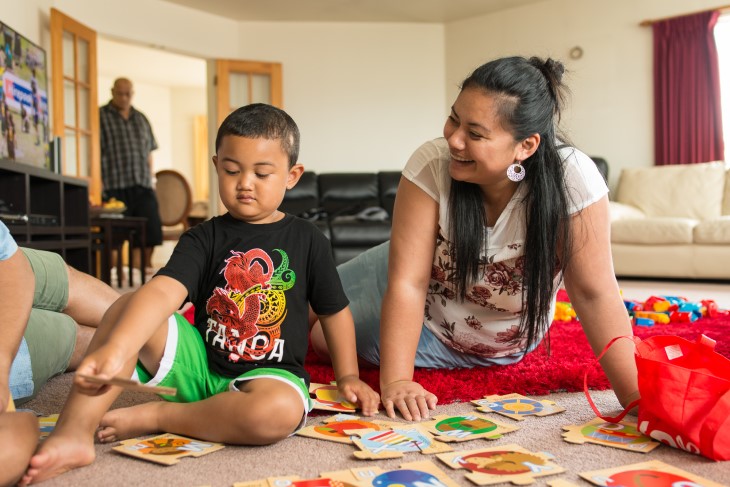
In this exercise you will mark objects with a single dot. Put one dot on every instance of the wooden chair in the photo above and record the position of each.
(175, 199)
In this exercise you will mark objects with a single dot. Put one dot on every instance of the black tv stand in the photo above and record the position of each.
(46, 211)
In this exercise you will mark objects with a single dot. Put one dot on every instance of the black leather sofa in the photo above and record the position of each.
(354, 210)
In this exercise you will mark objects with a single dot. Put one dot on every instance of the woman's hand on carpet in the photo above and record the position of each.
(410, 398)
(358, 392)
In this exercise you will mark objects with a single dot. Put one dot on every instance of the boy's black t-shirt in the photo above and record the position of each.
(252, 285)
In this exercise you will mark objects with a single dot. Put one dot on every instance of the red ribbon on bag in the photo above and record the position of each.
(685, 394)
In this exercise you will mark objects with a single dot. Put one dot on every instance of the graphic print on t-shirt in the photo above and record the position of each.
(245, 317)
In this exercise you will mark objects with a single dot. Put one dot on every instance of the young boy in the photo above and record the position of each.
(252, 275)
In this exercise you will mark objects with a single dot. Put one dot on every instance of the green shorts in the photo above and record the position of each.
(184, 366)
(50, 336)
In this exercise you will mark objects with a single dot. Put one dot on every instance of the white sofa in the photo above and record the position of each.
(672, 222)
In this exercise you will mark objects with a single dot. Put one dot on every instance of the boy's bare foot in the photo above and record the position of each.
(58, 454)
(131, 422)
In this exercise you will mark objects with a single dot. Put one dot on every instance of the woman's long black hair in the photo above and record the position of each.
(529, 97)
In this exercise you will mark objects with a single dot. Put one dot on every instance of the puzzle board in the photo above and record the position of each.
(624, 435)
(470, 426)
(646, 474)
(334, 427)
(326, 397)
(166, 449)
(413, 474)
(517, 406)
(393, 443)
(499, 464)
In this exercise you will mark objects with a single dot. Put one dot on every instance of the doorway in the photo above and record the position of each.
(171, 90)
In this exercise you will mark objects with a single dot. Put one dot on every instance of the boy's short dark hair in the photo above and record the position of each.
(259, 120)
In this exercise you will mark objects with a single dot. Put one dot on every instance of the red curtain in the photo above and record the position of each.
(687, 112)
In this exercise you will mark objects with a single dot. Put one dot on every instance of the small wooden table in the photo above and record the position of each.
(112, 232)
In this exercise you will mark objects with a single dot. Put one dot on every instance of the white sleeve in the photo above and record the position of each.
(422, 167)
(584, 183)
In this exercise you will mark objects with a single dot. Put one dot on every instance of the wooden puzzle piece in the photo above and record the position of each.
(393, 443)
(466, 427)
(517, 406)
(561, 483)
(646, 474)
(166, 449)
(130, 384)
(47, 424)
(327, 398)
(413, 474)
(334, 427)
(504, 463)
(624, 435)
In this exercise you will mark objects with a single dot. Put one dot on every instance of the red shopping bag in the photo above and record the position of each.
(685, 394)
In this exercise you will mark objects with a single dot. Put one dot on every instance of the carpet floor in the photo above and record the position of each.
(307, 458)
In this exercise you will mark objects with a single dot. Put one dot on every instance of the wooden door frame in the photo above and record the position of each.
(61, 23)
(223, 68)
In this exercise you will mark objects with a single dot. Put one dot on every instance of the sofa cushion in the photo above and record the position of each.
(348, 193)
(726, 198)
(663, 231)
(713, 231)
(620, 211)
(689, 190)
(302, 197)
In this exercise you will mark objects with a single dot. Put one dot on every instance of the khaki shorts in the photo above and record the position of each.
(50, 336)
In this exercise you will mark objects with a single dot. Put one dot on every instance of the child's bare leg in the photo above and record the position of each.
(264, 411)
(71, 444)
(19, 434)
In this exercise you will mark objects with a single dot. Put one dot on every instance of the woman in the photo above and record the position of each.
(487, 223)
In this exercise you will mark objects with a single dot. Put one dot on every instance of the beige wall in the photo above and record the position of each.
(611, 108)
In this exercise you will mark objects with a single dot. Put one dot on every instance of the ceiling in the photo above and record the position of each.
(437, 11)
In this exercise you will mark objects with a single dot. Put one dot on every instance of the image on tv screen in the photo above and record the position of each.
(23, 100)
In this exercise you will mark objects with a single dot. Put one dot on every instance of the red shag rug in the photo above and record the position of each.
(537, 373)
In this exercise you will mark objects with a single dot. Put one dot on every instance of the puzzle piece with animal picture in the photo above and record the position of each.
(334, 427)
(645, 474)
(470, 426)
(504, 463)
(517, 406)
(166, 449)
(422, 473)
(326, 397)
(624, 435)
(393, 443)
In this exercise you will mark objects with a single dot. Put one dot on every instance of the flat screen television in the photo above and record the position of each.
(23, 100)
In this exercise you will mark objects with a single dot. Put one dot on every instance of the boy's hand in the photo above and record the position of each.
(411, 399)
(358, 392)
(104, 362)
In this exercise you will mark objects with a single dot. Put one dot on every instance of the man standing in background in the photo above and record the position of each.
(127, 143)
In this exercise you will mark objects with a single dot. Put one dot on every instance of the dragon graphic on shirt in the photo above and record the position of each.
(245, 316)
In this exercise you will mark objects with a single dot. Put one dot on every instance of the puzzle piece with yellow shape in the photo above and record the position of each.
(334, 427)
(624, 435)
(466, 427)
(166, 449)
(504, 463)
(414, 473)
(393, 443)
(47, 424)
(517, 406)
(326, 397)
(646, 473)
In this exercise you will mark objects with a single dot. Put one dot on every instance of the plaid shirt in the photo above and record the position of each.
(125, 147)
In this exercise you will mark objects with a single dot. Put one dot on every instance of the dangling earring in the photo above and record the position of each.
(516, 172)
